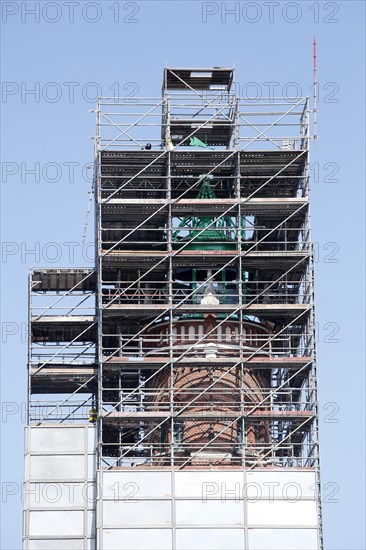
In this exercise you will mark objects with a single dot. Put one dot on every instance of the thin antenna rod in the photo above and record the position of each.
(315, 110)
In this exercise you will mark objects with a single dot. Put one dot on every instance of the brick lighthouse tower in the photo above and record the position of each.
(173, 387)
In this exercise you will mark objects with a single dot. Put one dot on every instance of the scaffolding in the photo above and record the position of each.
(193, 339)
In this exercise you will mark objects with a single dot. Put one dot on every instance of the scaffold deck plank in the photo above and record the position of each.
(134, 362)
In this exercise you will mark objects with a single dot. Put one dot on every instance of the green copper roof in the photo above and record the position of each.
(221, 231)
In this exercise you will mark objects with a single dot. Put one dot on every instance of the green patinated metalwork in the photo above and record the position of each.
(208, 233)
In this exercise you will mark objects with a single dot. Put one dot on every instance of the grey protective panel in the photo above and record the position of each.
(137, 539)
(60, 495)
(283, 539)
(282, 513)
(207, 483)
(210, 539)
(56, 523)
(122, 485)
(57, 467)
(284, 484)
(91, 465)
(55, 440)
(213, 512)
(137, 513)
(63, 544)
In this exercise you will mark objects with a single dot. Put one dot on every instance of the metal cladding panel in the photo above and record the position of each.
(282, 513)
(90, 523)
(54, 440)
(211, 512)
(56, 467)
(60, 495)
(202, 483)
(92, 465)
(123, 485)
(56, 523)
(64, 544)
(76, 544)
(283, 539)
(91, 438)
(137, 513)
(210, 539)
(137, 539)
(280, 484)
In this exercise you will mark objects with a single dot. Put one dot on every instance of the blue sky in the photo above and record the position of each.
(107, 46)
